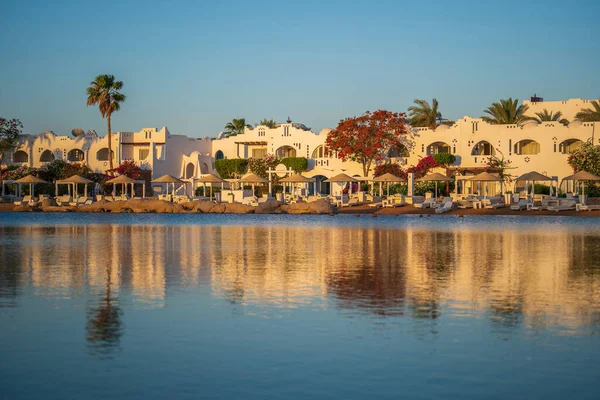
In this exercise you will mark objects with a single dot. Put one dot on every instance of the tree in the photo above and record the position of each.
(444, 159)
(548, 116)
(367, 138)
(128, 168)
(269, 123)
(389, 168)
(236, 127)
(506, 111)
(104, 92)
(590, 114)
(586, 158)
(424, 115)
(10, 129)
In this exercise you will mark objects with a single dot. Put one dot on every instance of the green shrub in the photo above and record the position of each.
(444, 159)
(231, 168)
(297, 164)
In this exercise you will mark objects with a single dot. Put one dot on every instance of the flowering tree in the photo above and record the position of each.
(365, 139)
(128, 168)
(586, 158)
(9, 133)
(422, 167)
(502, 166)
(390, 168)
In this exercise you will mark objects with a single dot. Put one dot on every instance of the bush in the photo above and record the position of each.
(297, 164)
(390, 168)
(200, 190)
(444, 159)
(231, 168)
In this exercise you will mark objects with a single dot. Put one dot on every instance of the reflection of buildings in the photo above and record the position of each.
(515, 276)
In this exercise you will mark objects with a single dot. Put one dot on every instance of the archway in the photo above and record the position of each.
(102, 154)
(320, 186)
(527, 147)
(285, 152)
(219, 155)
(75, 155)
(189, 171)
(438, 147)
(569, 146)
(483, 148)
(20, 157)
(47, 156)
(398, 151)
(320, 152)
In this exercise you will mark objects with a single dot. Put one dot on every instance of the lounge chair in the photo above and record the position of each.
(566, 206)
(588, 207)
(521, 205)
(352, 202)
(446, 206)
(81, 201)
(427, 203)
(394, 201)
(24, 200)
(493, 203)
(464, 204)
(63, 200)
(376, 205)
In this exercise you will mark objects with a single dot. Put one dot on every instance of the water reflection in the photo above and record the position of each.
(512, 278)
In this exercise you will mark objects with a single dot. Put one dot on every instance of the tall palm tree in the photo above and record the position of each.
(104, 92)
(269, 123)
(423, 114)
(590, 114)
(236, 127)
(506, 111)
(546, 116)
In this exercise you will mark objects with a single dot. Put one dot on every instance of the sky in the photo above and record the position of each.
(195, 65)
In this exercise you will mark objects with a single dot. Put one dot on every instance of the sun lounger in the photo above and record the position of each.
(464, 204)
(376, 205)
(426, 203)
(63, 200)
(566, 206)
(521, 205)
(394, 201)
(493, 203)
(446, 206)
(352, 202)
(587, 207)
(24, 200)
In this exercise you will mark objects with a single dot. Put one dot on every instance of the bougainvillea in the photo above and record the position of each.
(586, 158)
(128, 168)
(390, 168)
(366, 139)
(260, 166)
(422, 167)
(501, 167)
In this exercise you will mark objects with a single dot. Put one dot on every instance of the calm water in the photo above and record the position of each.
(281, 307)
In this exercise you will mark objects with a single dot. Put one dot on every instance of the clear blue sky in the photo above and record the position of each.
(193, 66)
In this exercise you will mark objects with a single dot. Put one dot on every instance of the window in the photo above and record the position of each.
(527, 147)
(143, 153)
(75, 155)
(259, 153)
(102, 154)
(219, 155)
(20, 157)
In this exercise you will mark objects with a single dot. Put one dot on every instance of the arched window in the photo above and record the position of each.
(569, 146)
(398, 151)
(527, 147)
(219, 155)
(189, 171)
(102, 154)
(286, 151)
(320, 152)
(437, 147)
(47, 156)
(20, 157)
(483, 148)
(75, 155)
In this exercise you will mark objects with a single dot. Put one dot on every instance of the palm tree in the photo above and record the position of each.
(104, 92)
(423, 114)
(507, 111)
(236, 127)
(546, 116)
(590, 114)
(269, 123)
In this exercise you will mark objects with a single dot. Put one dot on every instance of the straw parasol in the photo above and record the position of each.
(532, 177)
(297, 178)
(31, 180)
(486, 177)
(389, 178)
(435, 177)
(210, 178)
(123, 180)
(166, 179)
(582, 176)
(342, 178)
(74, 180)
(253, 179)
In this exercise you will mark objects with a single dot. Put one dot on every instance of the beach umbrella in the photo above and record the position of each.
(485, 177)
(582, 176)
(532, 177)
(342, 178)
(253, 179)
(32, 181)
(75, 180)
(123, 180)
(210, 178)
(297, 178)
(389, 178)
(435, 177)
(166, 179)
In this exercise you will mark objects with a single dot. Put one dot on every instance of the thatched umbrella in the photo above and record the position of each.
(435, 177)
(210, 178)
(74, 180)
(582, 176)
(343, 178)
(389, 178)
(297, 178)
(532, 177)
(253, 179)
(123, 180)
(31, 180)
(166, 179)
(486, 177)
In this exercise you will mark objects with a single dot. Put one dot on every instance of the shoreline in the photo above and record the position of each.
(273, 207)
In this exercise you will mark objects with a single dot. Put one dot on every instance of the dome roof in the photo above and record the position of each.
(575, 123)
(530, 124)
(442, 128)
